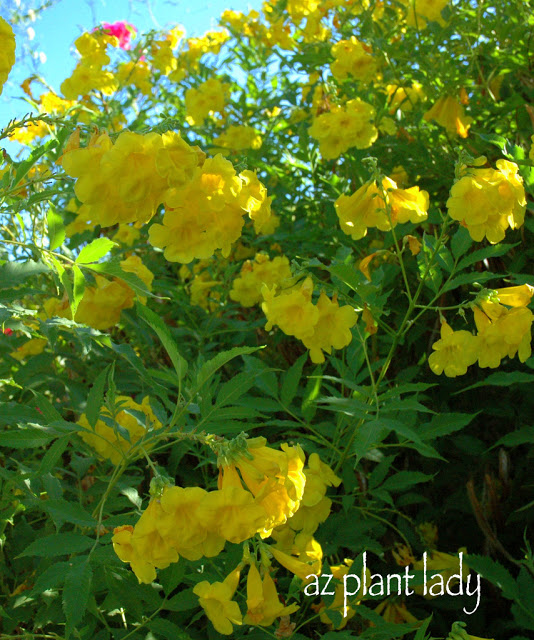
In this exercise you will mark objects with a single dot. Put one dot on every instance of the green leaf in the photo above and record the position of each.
(182, 601)
(26, 438)
(421, 632)
(164, 334)
(96, 397)
(368, 436)
(62, 511)
(59, 544)
(404, 479)
(493, 251)
(11, 412)
(470, 278)
(52, 456)
(14, 273)
(443, 424)
(291, 379)
(501, 379)
(515, 438)
(495, 573)
(95, 250)
(113, 268)
(461, 242)
(233, 389)
(52, 577)
(78, 289)
(76, 594)
(56, 230)
(164, 628)
(213, 365)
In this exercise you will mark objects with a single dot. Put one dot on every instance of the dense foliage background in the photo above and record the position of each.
(312, 226)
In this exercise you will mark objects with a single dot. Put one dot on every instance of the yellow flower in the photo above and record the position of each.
(404, 98)
(449, 113)
(7, 51)
(126, 234)
(107, 441)
(210, 97)
(454, 353)
(216, 600)
(292, 310)
(488, 201)
(33, 347)
(519, 296)
(338, 604)
(246, 288)
(263, 604)
(332, 329)
(238, 137)
(232, 513)
(344, 127)
(352, 57)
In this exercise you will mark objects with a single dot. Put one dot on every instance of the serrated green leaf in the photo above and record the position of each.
(95, 250)
(164, 628)
(404, 479)
(59, 544)
(78, 289)
(56, 230)
(113, 268)
(62, 511)
(11, 413)
(25, 438)
(494, 251)
(501, 379)
(96, 397)
(213, 365)
(461, 242)
(76, 594)
(164, 334)
(494, 572)
(525, 435)
(291, 379)
(443, 424)
(52, 577)
(182, 601)
(53, 454)
(14, 273)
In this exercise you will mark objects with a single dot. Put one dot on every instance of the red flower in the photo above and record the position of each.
(8, 331)
(122, 31)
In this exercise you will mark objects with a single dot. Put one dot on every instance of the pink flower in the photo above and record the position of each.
(123, 31)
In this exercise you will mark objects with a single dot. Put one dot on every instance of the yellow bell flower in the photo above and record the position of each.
(263, 603)
(216, 600)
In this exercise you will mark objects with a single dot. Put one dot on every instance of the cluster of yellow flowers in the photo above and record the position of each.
(50, 104)
(209, 98)
(246, 288)
(205, 200)
(7, 51)
(353, 58)
(107, 440)
(344, 127)
(102, 304)
(501, 332)
(260, 491)
(193, 522)
(238, 137)
(206, 214)
(320, 326)
(89, 73)
(371, 206)
(487, 201)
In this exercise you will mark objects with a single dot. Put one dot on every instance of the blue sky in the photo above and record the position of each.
(60, 25)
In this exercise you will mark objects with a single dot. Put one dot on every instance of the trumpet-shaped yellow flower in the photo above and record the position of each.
(216, 600)
(263, 603)
(449, 113)
(454, 353)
